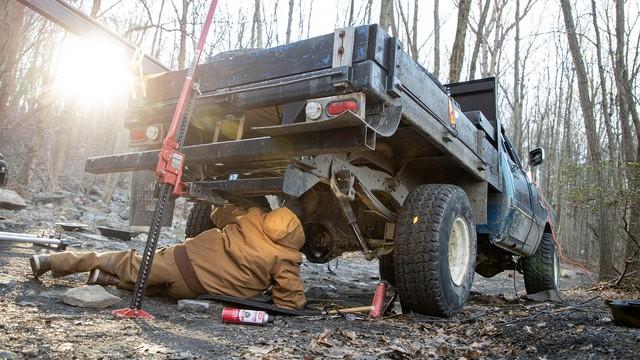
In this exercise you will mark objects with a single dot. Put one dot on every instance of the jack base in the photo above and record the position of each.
(133, 314)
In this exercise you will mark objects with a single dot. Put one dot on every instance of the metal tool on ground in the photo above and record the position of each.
(53, 242)
(357, 309)
(377, 305)
(169, 172)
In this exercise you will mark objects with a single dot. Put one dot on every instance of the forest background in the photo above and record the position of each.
(567, 73)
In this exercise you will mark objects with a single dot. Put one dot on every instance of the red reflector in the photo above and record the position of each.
(137, 134)
(339, 107)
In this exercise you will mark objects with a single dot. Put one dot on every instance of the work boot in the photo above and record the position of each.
(40, 264)
(97, 277)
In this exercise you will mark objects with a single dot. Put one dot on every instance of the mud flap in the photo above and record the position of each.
(143, 202)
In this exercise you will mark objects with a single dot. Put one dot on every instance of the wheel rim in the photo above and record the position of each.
(556, 270)
(459, 250)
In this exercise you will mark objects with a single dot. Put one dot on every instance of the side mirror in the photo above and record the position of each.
(536, 156)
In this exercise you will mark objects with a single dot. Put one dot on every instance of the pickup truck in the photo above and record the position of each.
(375, 152)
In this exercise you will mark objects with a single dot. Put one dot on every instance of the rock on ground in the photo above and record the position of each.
(49, 197)
(6, 282)
(8, 355)
(92, 296)
(193, 305)
(10, 199)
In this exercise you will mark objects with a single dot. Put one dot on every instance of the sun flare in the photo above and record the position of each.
(92, 72)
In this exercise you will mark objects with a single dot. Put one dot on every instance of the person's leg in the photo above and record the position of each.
(122, 264)
(70, 262)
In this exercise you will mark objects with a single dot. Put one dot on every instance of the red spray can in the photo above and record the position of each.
(378, 300)
(242, 316)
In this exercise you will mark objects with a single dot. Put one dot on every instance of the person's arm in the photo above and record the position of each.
(225, 215)
(288, 291)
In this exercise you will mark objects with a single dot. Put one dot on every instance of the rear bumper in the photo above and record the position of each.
(248, 151)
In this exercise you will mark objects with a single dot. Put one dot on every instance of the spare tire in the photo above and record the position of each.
(435, 250)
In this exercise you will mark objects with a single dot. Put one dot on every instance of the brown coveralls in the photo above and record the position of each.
(252, 251)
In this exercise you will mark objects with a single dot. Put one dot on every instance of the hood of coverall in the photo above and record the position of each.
(283, 227)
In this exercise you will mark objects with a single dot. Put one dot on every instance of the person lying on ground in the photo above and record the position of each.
(249, 251)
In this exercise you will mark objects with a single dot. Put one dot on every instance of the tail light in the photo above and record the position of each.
(137, 134)
(145, 135)
(339, 107)
(313, 110)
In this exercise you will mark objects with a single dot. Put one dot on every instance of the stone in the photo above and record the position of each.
(90, 296)
(193, 305)
(7, 282)
(10, 200)
(7, 355)
(49, 197)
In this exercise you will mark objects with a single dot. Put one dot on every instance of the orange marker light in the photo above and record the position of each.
(452, 114)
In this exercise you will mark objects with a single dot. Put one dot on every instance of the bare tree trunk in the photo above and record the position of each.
(289, 21)
(157, 32)
(256, 27)
(603, 85)
(411, 31)
(628, 108)
(367, 11)
(309, 18)
(517, 96)
(182, 52)
(60, 148)
(351, 10)
(11, 19)
(95, 8)
(414, 30)
(457, 52)
(387, 18)
(436, 39)
(34, 145)
(479, 39)
(606, 260)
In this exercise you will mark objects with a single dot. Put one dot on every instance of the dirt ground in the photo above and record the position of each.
(496, 323)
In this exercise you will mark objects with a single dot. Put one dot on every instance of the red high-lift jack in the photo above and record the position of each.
(169, 173)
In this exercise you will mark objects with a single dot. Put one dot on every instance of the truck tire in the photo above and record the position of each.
(385, 267)
(199, 219)
(435, 250)
(542, 269)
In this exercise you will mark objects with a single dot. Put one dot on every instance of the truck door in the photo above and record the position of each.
(522, 213)
(539, 214)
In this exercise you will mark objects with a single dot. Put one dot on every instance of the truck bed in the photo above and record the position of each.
(262, 83)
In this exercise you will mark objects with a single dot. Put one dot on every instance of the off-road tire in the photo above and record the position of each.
(538, 269)
(421, 251)
(387, 272)
(199, 219)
